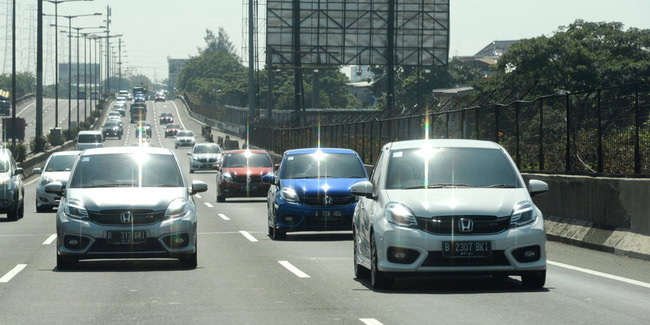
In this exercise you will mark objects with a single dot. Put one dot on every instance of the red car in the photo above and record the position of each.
(240, 174)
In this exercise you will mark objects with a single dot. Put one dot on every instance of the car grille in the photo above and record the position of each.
(452, 224)
(114, 217)
(101, 246)
(243, 178)
(435, 258)
(319, 200)
(206, 160)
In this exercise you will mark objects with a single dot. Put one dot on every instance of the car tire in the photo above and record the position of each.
(378, 279)
(12, 215)
(189, 262)
(64, 263)
(191, 171)
(21, 210)
(220, 198)
(277, 234)
(533, 279)
(360, 272)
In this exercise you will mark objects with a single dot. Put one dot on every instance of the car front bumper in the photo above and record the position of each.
(301, 217)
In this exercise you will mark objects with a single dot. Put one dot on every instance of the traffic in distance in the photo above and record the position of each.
(443, 214)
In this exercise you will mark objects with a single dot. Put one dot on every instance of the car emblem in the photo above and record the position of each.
(126, 217)
(328, 200)
(465, 225)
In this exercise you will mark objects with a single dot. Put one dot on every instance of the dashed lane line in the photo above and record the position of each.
(50, 239)
(223, 216)
(248, 236)
(208, 204)
(11, 274)
(293, 269)
(600, 274)
(370, 321)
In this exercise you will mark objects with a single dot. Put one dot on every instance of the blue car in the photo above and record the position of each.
(310, 191)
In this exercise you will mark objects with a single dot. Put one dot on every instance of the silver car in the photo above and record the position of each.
(448, 207)
(204, 156)
(184, 138)
(126, 202)
(57, 168)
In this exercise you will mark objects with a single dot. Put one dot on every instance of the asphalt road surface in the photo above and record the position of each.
(244, 277)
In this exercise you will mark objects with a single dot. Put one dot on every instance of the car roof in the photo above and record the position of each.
(238, 151)
(127, 150)
(447, 143)
(66, 153)
(312, 150)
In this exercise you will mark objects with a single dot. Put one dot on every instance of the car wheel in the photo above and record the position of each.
(360, 272)
(277, 234)
(378, 279)
(189, 262)
(533, 279)
(191, 171)
(64, 263)
(12, 214)
(21, 209)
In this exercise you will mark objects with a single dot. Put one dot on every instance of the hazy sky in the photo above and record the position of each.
(154, 30)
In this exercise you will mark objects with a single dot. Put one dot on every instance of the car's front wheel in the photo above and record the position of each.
(533, 279)
(277, 234)
(378, 279)
(64, 263)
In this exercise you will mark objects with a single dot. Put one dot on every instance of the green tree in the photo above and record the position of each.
(25, 83)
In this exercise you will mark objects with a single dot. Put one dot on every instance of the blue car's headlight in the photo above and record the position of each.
(522, 214)
(400, 215)
(75, 209)
(177, 208)
(289, 194)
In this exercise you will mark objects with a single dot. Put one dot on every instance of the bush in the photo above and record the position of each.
(38, 144)
(19, 151)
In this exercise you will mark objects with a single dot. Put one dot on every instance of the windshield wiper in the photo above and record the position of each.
(442, 185)
(502, 186)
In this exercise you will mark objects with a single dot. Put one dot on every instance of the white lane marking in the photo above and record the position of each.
(178, 115)
(223, 216)
(293, 269)
(50, 239)
(370, 321)
(208, 204)
(26, 107)
(248, 236)
(600, 274)
(197, 196)
(7, 277)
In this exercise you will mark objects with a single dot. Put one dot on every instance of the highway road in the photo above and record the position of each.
(244, 277)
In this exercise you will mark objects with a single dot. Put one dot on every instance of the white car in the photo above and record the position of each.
(448, 207)
(184, 138)
(57, 168)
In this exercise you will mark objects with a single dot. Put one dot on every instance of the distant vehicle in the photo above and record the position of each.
(120, 108)
(138, 112)
(184, 138)
(120, 100)
(143, 129)
(57, 168)
(110, 211)
(311, 190)
(111, 129)
(140, 91)
(166, 118)
(89, 139)
(123, 93)
(160, 97)
(114, 114)
(12, 196)
(448, 207)
(204, 156)
(171, 129)
(5, 106)
(240, 174)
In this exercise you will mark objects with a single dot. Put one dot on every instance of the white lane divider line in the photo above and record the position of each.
(208, 204)
(223, 216)
(248, 236)
(7, 277)
(197, 196)
(293, 269)
(49, 240)
(600, 274)
(370, 321)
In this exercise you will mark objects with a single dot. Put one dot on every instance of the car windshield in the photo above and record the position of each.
(129, 170)
(185, 134)
(319, 165)
(61, 163)
(450, 167)
(90, 138)
(172, 126)
(110, 124)
(207, 149)
(247, 160)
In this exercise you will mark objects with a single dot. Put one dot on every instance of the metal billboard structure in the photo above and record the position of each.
(316, 33)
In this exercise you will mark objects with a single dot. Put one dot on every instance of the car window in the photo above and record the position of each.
(129, 170)
(89, 138)
(243, 160)
(207, 149)
(61, 163)
(185, 133)
(335, 165)
(475, 167)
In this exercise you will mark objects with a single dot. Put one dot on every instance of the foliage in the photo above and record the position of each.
(19, 151)
(39, 144)
(25, 83)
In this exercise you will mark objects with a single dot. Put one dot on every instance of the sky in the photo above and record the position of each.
(152, 30)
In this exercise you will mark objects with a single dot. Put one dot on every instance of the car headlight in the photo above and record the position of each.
(75, 209)
(177, 208)
(522, 214)
(400, 215)
(289, 194)
(226, 176)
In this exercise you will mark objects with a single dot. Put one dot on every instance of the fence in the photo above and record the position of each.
(600, 132)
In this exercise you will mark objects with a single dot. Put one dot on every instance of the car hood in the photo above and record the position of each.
(206, 155)
(459, 201)
(315, 186)
(147, 198)
(261, 171)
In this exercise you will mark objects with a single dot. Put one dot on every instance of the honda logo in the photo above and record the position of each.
(126, 217)
(328, 200)
(465, 225)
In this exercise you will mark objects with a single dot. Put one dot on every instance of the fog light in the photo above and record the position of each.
(527, 254)
(402, 255)
(530, 254)
(288, 219)
(73, 242)
(178, 240)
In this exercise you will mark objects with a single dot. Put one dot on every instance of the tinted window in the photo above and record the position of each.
(335, 165)
(243, 160)
(60, 163)
(90, 138)
(132, 170)
(469, 166)
(185, 134)
(207, 149)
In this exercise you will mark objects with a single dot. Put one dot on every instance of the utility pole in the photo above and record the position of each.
(39, 74)
(108, 53)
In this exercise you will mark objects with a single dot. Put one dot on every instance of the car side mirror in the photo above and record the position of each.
(276, 167)
(37, 170)
(56, 188)
(364, 189)
(19, 171)
(198, 186)
(270, 178)
(537, 187)
(189, 154)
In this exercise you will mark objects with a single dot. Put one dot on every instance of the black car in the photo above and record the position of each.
(166, 118)
(112, 129)
(12, 196)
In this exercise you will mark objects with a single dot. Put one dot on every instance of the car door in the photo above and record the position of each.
(367, 207)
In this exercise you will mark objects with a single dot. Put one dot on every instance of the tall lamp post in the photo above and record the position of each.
(79, 70)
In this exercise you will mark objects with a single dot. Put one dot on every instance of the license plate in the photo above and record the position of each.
(327, 213)
(126, 236)
(466, 249)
